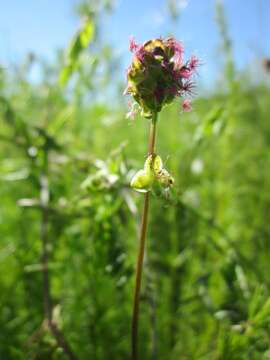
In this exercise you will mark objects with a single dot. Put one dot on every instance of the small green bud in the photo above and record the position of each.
(152, 174)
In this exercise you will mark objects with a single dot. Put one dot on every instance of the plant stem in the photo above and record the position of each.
(144, 222)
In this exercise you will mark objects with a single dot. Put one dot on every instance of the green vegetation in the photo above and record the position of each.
(66, 159)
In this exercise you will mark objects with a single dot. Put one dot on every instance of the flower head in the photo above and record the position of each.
(158, 74)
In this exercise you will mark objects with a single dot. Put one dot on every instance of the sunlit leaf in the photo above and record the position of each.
(81, 41)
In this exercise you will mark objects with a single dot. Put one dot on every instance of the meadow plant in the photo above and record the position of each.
(157, 75)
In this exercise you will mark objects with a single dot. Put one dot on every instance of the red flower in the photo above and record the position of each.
(158, 74)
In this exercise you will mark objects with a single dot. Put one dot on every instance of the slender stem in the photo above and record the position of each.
(144, 222)
(152, 136)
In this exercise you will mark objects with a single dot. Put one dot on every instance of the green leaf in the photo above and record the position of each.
(66, 73)
(142, 181)
(87, 33)
(81, 41)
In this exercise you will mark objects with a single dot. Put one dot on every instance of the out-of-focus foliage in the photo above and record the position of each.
(80, 41)
(206, 277)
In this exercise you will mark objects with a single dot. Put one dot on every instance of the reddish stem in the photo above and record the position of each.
(139, 267)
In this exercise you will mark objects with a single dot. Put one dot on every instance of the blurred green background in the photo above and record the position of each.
(67, 213)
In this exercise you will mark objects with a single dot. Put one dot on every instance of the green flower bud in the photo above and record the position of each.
(153, 172)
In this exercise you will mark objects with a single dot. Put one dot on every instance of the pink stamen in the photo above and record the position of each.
(132, 44)
(140, 53)
(186, 105)
(188, 87)
(193, 63)
(185, 72)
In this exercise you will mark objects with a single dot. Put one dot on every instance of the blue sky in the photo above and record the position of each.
(43, 26)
